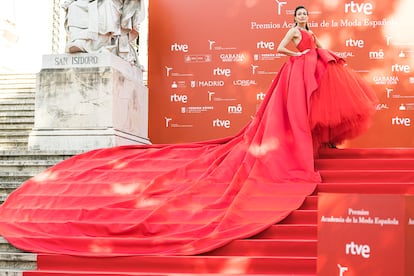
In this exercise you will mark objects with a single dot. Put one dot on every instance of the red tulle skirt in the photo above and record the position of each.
(342, 106)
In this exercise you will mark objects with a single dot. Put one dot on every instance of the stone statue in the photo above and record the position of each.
(104, 25)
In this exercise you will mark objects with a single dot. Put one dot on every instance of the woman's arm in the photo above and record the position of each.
(290, 35)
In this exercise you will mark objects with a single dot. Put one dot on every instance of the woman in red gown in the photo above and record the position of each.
(339, 102)
(184, 199)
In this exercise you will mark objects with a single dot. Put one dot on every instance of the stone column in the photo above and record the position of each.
(87, 101)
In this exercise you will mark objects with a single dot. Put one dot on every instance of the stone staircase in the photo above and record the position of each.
(17, 163)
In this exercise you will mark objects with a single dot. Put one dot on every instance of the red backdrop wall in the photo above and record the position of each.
(211, 62)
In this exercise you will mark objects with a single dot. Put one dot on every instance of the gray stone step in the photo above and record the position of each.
(18, 98)
(17, 78)
(16, 113)
(15, 143)
(11, 272)
(17, 85)
(17, 120)
(18, 261)
(8, 187)
(17, 92)
(18, 107)
(29, 166)
(5, 246)
(3, 198)
(15, 176)
(22, 101)
(36, 155)
(16, 127)
(11, 134)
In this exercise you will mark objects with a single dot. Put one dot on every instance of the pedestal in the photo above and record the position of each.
(88, 101)
(367, 234)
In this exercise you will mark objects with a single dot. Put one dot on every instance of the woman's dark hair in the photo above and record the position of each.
(296, 10)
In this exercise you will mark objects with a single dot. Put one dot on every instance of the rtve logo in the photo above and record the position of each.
(266, 45)
(401, 121)
(362, 250)
(178, 98)
(222, 72)
(260, 96)
(355, 43)
(401, 68)
(179, 48)
(221, 123)
(353, 7)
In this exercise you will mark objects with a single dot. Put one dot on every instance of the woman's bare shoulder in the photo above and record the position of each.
(293, 32)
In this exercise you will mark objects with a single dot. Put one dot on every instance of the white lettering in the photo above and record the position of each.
(238, 109)
(244, 82)
(167, 121)
(232, 57)
(221, 123)
(358, 250)
(260, 96)
(386, 80)
(222, 72)
(211, 83)
(354, 43)
(377, 55)
(357, 212)
(349, 23)
(179, 47)
(401, 68)
(262, 26)
(179, 98)
(353, 7)
(401, 121)
(266, 45)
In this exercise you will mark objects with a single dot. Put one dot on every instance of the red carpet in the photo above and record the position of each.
(134, 199)
(178, 200)
(187, 199)
(286, 248)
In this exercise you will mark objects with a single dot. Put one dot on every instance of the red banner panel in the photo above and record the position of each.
(212, 61)
(409, 236)
(365, 234)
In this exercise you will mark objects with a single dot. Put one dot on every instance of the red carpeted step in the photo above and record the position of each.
(289, 232)
(310, 203)
(367, 176)
(364, 164)
(181, 264)
(256, 247)
(301, 217)
(366, 188)
(97, 273)
(367, 153)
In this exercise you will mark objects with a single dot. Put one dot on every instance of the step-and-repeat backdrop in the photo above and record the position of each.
(212, 61)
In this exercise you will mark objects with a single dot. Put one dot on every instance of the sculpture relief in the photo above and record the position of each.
(104, 25)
